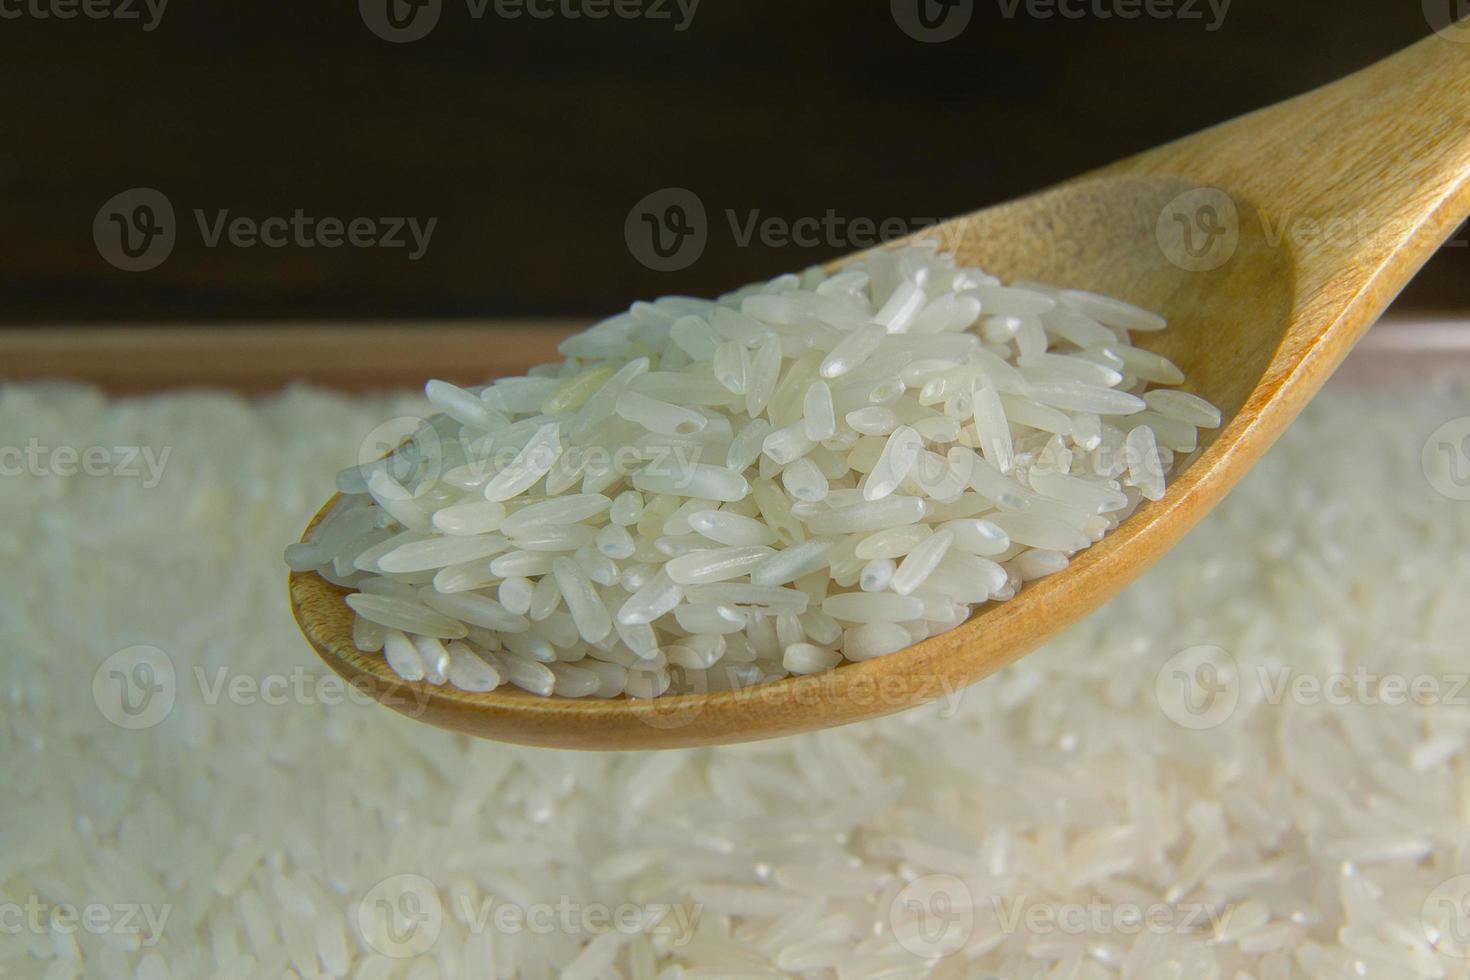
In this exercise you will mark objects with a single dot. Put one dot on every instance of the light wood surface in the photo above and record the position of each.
(264, 358)
(1387, 149)
(260, 358)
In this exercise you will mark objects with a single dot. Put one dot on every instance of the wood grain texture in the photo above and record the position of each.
(254, 359)
(1388, 147)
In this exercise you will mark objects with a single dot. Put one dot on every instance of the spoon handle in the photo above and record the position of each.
(1361, 180)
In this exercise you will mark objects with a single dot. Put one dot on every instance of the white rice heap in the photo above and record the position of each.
(710, 494)
(1010, 831)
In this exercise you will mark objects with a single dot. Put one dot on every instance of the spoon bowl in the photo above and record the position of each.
(1271, 243)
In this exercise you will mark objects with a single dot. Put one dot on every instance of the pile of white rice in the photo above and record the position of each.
(1018, 832)
(714, 493)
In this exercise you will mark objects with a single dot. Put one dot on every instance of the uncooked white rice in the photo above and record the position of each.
(762, 439)
(269, 828)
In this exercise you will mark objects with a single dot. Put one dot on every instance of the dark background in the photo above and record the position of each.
(531, 140)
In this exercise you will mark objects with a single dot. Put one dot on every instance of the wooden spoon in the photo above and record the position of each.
(1271, 243)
